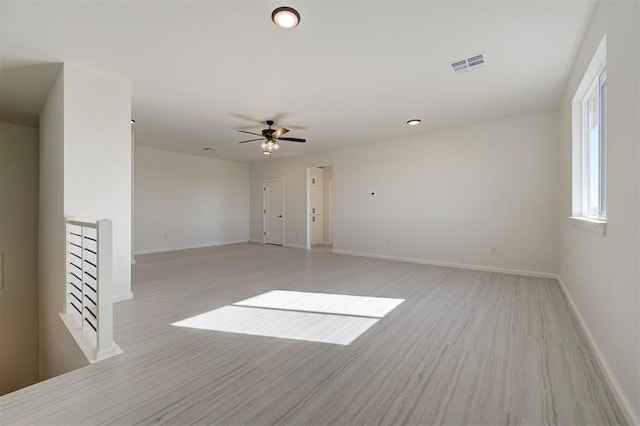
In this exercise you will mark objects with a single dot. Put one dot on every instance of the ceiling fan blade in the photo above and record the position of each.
(251, 140)
(280, 132)
(251, 133)
(291, 127)
(278, 116)
(248, 118)
(292, 140)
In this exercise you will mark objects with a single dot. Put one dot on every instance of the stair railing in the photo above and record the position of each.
(89, 272)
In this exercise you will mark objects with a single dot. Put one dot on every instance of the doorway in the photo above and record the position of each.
(320, 207)
(19, 183)
(273, 211)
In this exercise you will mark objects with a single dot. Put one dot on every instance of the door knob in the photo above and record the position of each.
(280, 215)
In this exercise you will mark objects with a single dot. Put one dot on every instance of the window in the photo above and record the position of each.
(589, 150)
(594, 120)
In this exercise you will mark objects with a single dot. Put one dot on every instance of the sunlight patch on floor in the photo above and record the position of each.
(314, 317)
(363, 306)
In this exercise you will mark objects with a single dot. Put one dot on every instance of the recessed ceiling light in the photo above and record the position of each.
(414, 122)
(285, 17)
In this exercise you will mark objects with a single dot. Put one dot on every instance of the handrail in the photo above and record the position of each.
(88, 309)
(84, 224)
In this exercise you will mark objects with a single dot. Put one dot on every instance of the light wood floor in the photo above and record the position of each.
(465, 347)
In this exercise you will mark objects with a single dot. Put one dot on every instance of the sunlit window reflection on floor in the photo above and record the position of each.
(315, 317)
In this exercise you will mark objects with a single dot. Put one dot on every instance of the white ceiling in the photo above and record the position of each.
(352, 72)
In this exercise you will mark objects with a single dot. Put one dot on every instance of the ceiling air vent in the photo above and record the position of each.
(460, 66)
(467, 65)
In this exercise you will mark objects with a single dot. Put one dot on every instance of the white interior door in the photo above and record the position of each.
(316, 190)
(273, 212)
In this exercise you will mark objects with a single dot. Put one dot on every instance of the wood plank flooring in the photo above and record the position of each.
(465, 348)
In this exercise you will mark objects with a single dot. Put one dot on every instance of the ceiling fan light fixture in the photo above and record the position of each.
(414, 122)
(285, 17)
(267, 153)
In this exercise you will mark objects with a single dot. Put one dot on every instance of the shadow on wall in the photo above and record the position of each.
(24, 89)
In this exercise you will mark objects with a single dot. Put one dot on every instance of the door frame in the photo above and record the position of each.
(308, 218)
(329, 209)
(264, 207)
(308, 189)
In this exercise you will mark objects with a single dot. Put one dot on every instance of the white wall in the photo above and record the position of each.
(59, 353)
(445, 197)
(85, 172)
(97, 160)
(600, 272)
(19, 243)
(185, 201)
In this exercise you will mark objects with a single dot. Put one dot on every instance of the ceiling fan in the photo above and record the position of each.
(270, 138)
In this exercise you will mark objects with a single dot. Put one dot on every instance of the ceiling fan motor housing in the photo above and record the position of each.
(268, 133)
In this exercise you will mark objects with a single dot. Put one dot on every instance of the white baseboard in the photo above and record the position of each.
(188, 247)
(613, 382)
(449, 264)
(294, 246)
(122, 297)
(283, 245)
